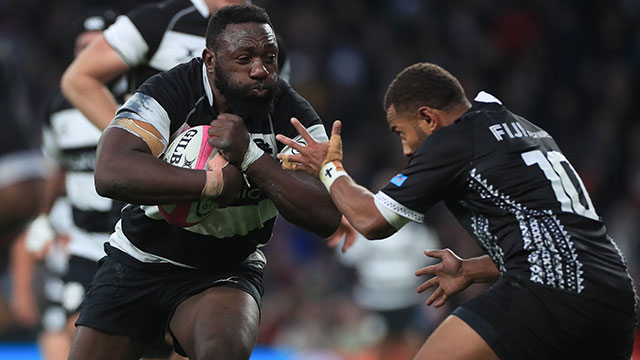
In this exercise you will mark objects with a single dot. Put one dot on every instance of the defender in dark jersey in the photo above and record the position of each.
(564, 290)
(203, 282)
(150, 39)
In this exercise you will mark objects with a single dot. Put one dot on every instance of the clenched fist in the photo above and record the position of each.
(229, 135)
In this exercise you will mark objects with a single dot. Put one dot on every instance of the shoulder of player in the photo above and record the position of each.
(185, 75)
(159, 12)
(289, 103)
(454, 138)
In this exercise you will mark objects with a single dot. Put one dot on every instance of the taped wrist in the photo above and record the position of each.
(330, 172)
(253, 153)
(214, 185)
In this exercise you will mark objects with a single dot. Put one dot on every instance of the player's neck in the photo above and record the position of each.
(455, 113)
(220, 103)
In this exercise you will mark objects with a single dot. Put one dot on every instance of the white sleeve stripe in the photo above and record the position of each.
(144, 108)
(385, 201)
(20, 166)
(126, 40)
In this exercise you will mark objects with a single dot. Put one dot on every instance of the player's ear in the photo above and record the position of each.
(429, 116)
(209, 59)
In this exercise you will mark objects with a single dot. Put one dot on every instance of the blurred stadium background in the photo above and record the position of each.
(572, 67)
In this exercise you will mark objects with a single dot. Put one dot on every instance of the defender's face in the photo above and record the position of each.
(410, 129)
(248, 57)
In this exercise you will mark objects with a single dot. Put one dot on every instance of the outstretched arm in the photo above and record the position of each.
(300, 198)
(454, 274)
(83, 83)
(325, 160)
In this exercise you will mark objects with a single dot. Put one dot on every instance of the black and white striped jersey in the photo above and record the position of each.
(156, 37)
(172, 102)
(71, 140)
(510, 186)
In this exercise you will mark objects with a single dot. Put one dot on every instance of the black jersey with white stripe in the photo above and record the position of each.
(156, 37)
(173, 102)
(70, 139)
(510, 186)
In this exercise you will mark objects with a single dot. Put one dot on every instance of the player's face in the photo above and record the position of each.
(409, 127)
(248, 55)
(246, 68)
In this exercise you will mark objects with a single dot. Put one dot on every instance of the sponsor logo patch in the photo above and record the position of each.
(399, 179)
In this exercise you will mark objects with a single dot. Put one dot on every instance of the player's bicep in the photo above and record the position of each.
(143, 117)
(99, 61)
(396, 214)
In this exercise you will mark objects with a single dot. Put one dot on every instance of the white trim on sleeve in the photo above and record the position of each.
(395, 213)
(20, 166)
(126, 40)
(144, 108)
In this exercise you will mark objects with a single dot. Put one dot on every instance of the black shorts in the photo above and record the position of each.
(76, 281)
(523, 320)
(135, 299)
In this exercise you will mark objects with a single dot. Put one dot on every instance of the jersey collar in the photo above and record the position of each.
(207, 85)
(485, 97)
(202, 8)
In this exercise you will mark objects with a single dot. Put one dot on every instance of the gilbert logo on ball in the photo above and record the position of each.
(192, 151)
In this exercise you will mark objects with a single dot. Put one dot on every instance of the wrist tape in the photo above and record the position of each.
(330, 172)
(253, 153)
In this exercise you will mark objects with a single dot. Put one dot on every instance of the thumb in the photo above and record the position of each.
(336, 128)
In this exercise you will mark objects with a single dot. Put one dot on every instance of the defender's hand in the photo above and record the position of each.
(311, 155)
(229, 135)
(345, 230)
(334, 153)
(449, 277)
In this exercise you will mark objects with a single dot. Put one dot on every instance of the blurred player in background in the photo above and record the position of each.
(204, 282)
(70, 142)
(148, 40)
(563, 289)
(386, 287)
(22, 167)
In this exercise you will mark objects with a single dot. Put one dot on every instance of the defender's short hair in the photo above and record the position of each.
(235, 14)
(423, 84)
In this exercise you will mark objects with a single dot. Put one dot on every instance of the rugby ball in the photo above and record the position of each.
(191, 150)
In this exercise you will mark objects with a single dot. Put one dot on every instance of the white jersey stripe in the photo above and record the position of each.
(126, 40)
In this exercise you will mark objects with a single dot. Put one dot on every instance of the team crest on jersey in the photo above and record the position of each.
(399, 179)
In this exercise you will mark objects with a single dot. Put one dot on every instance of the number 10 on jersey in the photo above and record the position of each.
(565, 182)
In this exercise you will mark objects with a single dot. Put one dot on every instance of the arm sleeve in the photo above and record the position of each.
(137, 35)
(158, 105)
(435, 171)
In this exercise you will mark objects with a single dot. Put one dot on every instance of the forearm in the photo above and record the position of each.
(158, 183)
(300, 198)
(22, 265)
(84, 82)
(91, 97)
(127, 171)
(480, 269)
(358, 206)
